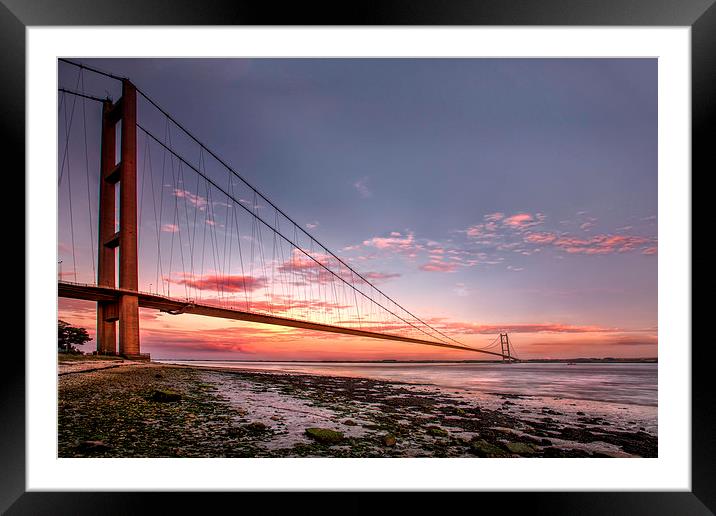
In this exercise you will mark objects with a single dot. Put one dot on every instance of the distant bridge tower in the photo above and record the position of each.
(122, 172)
(505, 344)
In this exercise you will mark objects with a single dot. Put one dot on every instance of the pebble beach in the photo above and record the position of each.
(119, 408)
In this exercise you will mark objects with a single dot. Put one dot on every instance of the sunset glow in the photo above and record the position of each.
(480, 202)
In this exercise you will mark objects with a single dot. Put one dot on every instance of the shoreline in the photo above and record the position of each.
(132, 409)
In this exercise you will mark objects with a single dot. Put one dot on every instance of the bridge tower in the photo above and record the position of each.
(505, 344)
(119, 171)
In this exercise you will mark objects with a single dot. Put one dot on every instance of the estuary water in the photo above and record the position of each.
(615, 383)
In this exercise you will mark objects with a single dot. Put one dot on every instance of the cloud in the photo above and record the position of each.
(279, 305)
(299, 261)
(511, 233)
(496, 226)
(615, 340)
(362, 186)
(438, 266)
(519, 220)
(396, 242)
(380, 276)
(540, 238)
(312, 225)
(494, 217)
(219, 283)
(170, 228)
(601, 244)
(195, 200)
(462, 327)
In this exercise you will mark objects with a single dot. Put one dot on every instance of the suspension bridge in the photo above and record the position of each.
(169, 225)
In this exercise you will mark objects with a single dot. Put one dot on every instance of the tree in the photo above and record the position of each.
(69, 336)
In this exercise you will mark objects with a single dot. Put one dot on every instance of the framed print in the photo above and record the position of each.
(441, 250)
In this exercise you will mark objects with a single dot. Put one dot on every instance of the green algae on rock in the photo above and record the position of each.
(165, 395)
(482, 448)
(521, 448)
(324, 435)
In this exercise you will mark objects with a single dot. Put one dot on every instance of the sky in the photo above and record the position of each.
(483, 195)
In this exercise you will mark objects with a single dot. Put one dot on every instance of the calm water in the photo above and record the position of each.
(625, 384)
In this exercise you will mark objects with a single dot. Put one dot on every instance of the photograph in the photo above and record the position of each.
(357, 257)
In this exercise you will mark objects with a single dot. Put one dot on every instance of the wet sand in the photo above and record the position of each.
(156, 410)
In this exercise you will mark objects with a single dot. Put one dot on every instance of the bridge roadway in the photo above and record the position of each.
(174, 306)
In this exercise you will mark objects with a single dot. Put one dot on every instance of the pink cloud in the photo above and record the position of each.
(494, 217)
(540, 238)
(519, 220)
(463, 327)
(195, 200)
(307, 261)
(170, 228)
(380, 276)
(437, 266)
(219, 283)
(396, 242)
(601, 244)
(594, 245)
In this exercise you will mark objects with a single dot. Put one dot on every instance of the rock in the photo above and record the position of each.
(256, 427)
(235, 431)
(165, 395)
(275, 418)
(482, 448)
(158, 375)
(581, 414)
(241, 412)
(349, 422)
(324, 435)
(521, 448)
(436, 431)
(389, 440)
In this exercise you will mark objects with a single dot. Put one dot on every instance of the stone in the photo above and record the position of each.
(436, 431)
(389, 440)
(165, 395)
(324, 435)
(482, 448)
(349, 422)
(256, 427)
(521, 448)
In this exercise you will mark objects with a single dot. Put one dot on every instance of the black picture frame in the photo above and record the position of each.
(700, 15)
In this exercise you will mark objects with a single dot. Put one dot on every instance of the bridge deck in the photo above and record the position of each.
(174, 306)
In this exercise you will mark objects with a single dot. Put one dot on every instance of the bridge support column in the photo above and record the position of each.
(126, 309)
(106, 329)
(129, 326)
